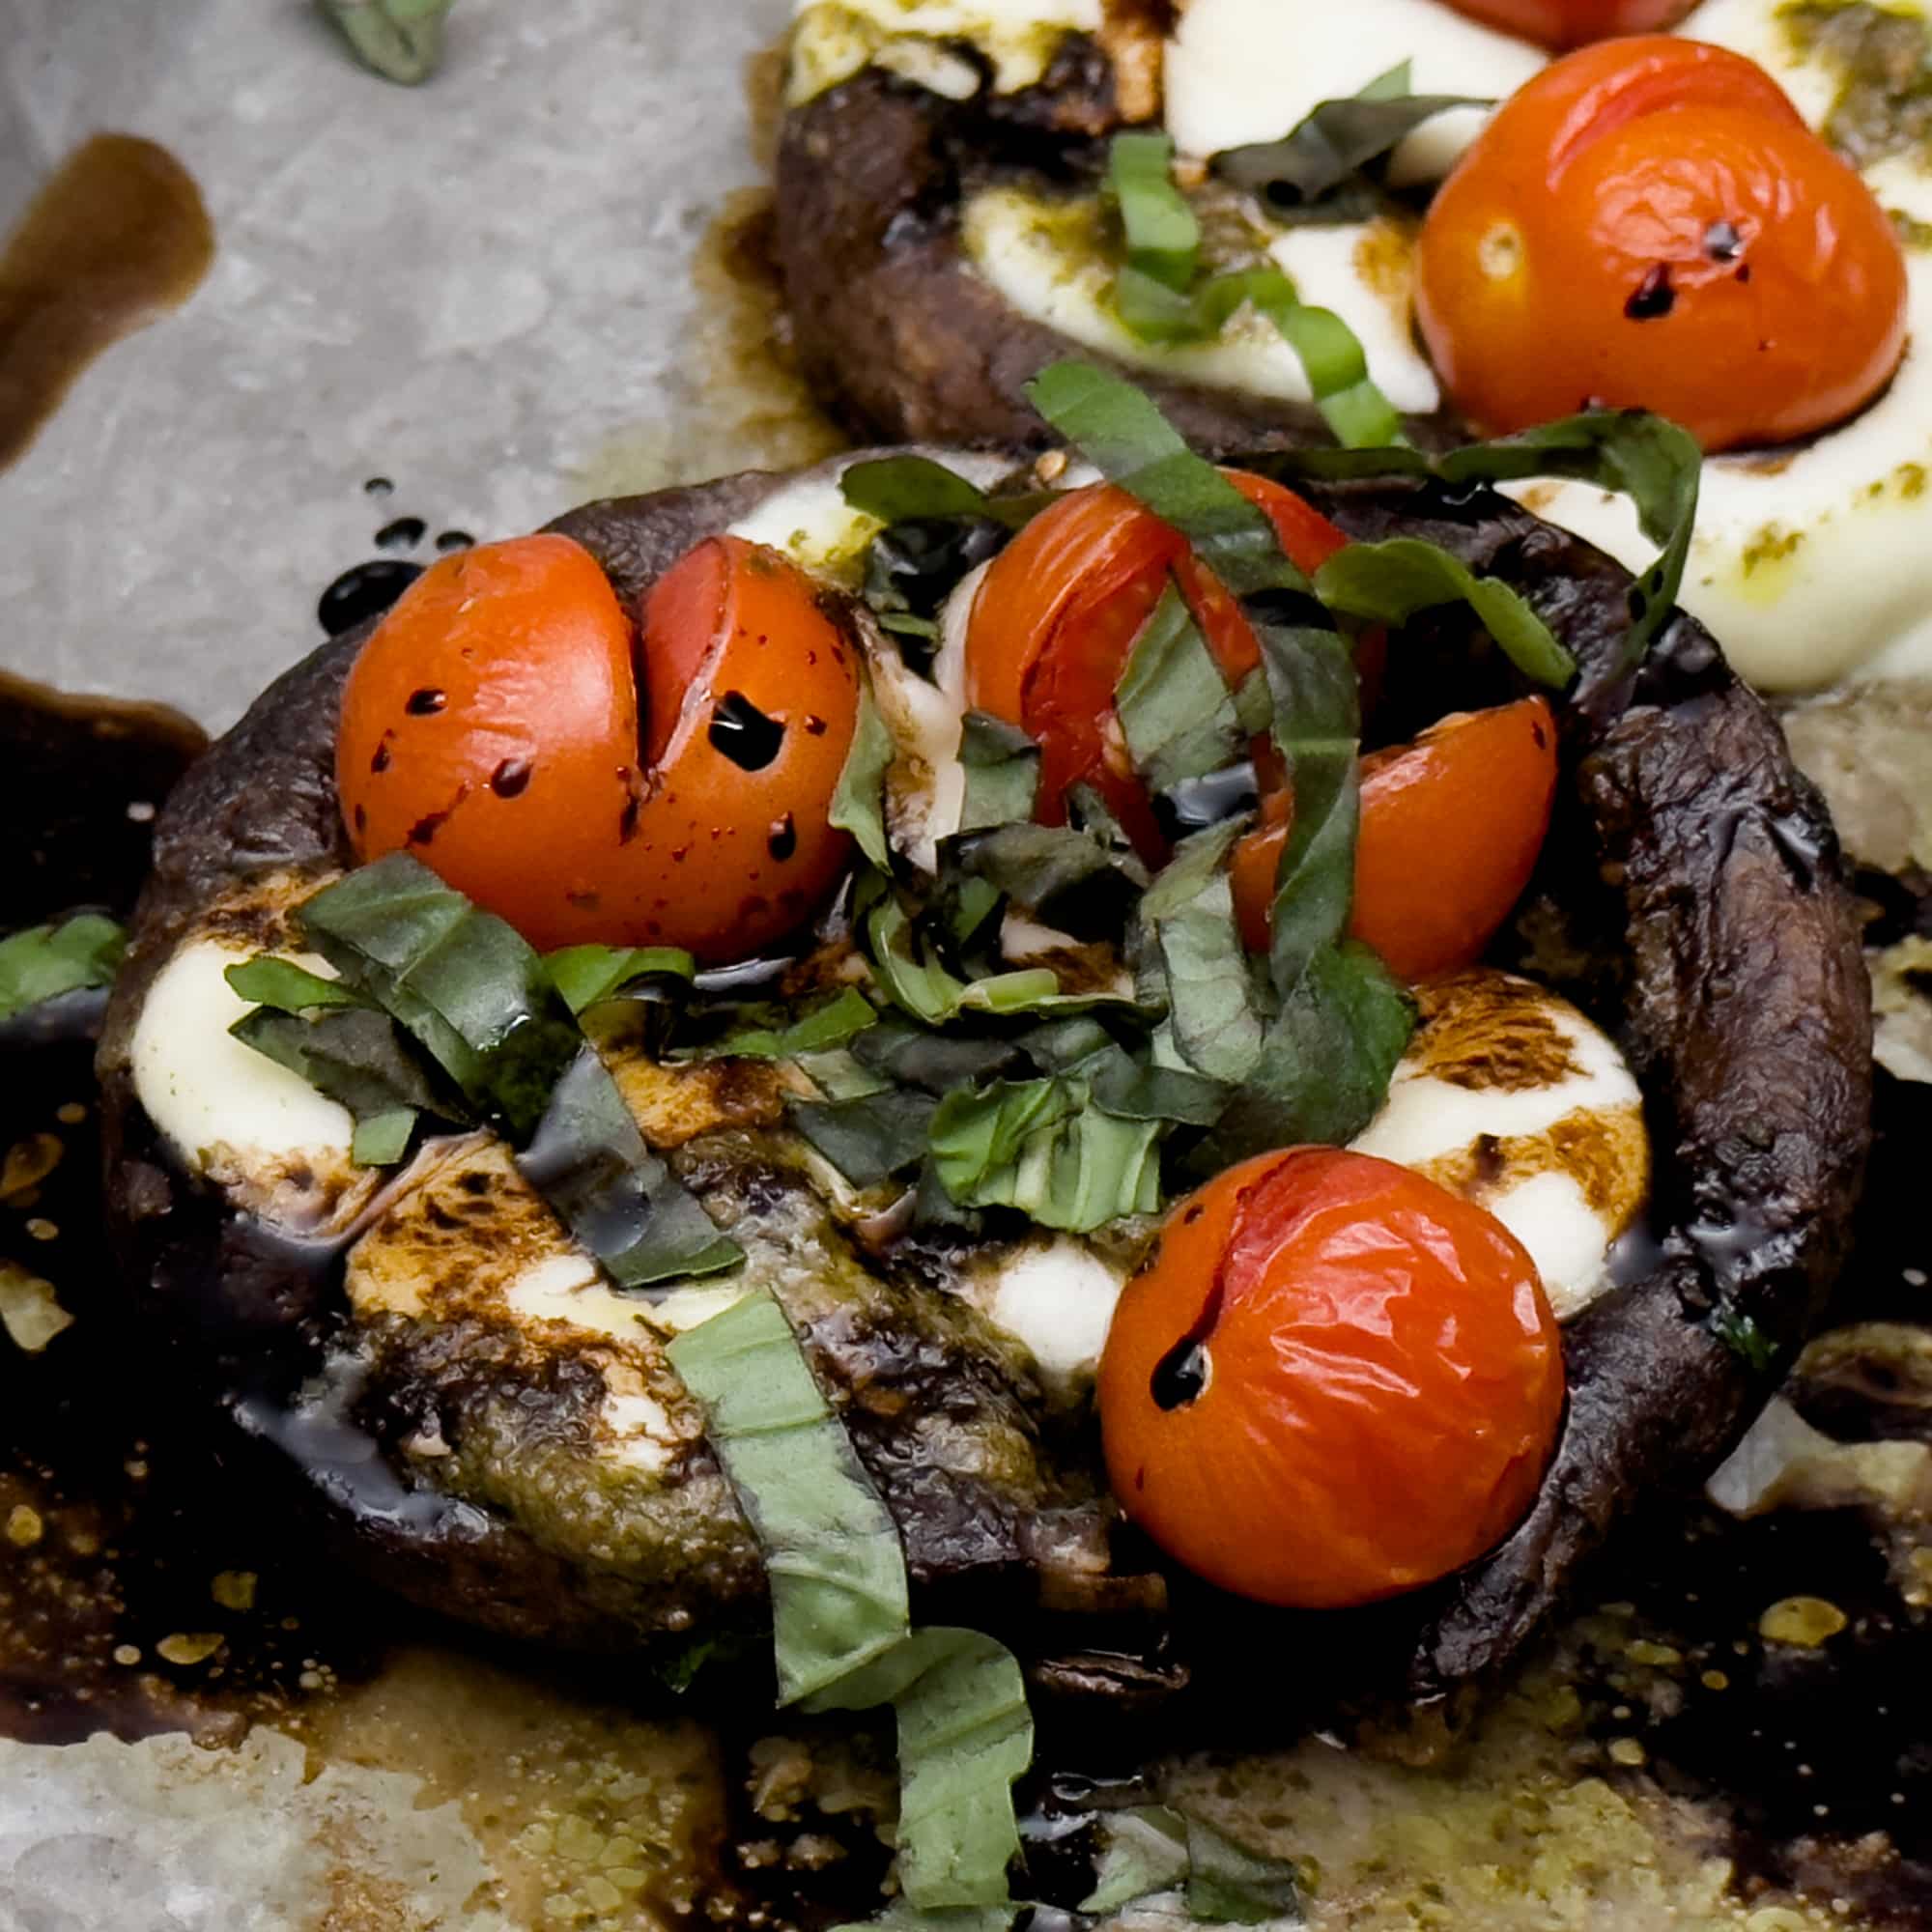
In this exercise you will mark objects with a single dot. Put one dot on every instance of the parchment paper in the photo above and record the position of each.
(480, 288)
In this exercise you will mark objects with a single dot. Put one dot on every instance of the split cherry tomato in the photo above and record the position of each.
(1332, 1381)
(1058, 612)
(1573, 23)
(506, 726)
(1649, 224)
(1450, 832)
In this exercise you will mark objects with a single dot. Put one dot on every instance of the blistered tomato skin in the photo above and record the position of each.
(1450, 827)
(1649, 224)
(591, 781)
(1058, 612)
(1573, 23)
(1332, 1382)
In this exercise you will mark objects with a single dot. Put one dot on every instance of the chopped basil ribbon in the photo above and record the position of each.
(1176, 711)
(1645, 457)
(1389, 582)
(1123, 434)
(44, 961)
(401, 39)
(1001, 772)
(1147, 1849)
(859, 803)
(352, 1055)
(587, 975)
(1188, 915)
(1329, 166)
(915, 979)
(480, 1002)
(870, 1137)
(826, 1026)
(268, 981)
(1046, 1148)
(843, 1638)
(837, 1576)
(1163, 237)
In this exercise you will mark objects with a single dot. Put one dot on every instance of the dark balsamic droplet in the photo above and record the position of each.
(782, 839)
(426, 703)
(427, 827)
(378, 486)
(1653, 298)
(405, 534)
(361, 820)
(1181, 1373)
(449, 540)
(743, 732)
(511, 779)
(814, 725)
(627, 819)
(1723, 243)
(380, 760)
(364, 590)
(1744, 271)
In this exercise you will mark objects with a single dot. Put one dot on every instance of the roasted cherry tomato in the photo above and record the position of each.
(1450, 827)
(497, 725)
(1573, 23)
(1332, 1381)
(1058, 612)
(1649, 224)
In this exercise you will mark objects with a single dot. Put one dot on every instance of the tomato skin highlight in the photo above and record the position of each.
(1057, 615)
(1450, 832)
(1648, 223)
(1378, 1392)
(1561, 24)
(491, 726)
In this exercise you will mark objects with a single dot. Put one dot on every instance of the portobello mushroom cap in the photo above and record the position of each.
(1698, 881)
(895, 331)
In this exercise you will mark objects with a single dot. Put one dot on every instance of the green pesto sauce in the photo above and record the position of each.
(1884, 66)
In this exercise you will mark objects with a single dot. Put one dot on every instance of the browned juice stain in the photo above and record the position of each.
(116, 236)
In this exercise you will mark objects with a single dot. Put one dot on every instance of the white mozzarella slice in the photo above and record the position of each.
(832, 40)
(1510, 1097)
(215, 1100)
(1044, 258)
(1238, 71)
(1058, 1298)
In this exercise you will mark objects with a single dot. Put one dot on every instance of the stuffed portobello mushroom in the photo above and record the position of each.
(1398, 220)
(1099, 1053)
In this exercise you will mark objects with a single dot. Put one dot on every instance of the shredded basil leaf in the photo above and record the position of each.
(268, 981)
(831, 1551)
(870, 1138)
(1121, 432)
(917, 1056)
(1143, 1851)
(964, 1735)
(912, 566)
(356, 1057)
(823, 1027)
(1163, 237)
(1038, 1146)
(1079, 880)
(44, 961)
(1176, 710)
(382, 1139)
(1229, 1884)
(400, 40)
(1745, 1339)
(1646, 458)
(902, 489)
(586, 975)
(1387, 582)
(589, 1161)
(859, 803)
(482, 1004)
(1001, 772)
(918, 981)
(1189, 916)
(1308, 175)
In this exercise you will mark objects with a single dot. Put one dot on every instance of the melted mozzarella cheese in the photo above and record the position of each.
(1058, 1298)
(1814, 562)
(1238, 71)
(832, 40)
(216, 1101)
(1510, 1097)
(1046, 258)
